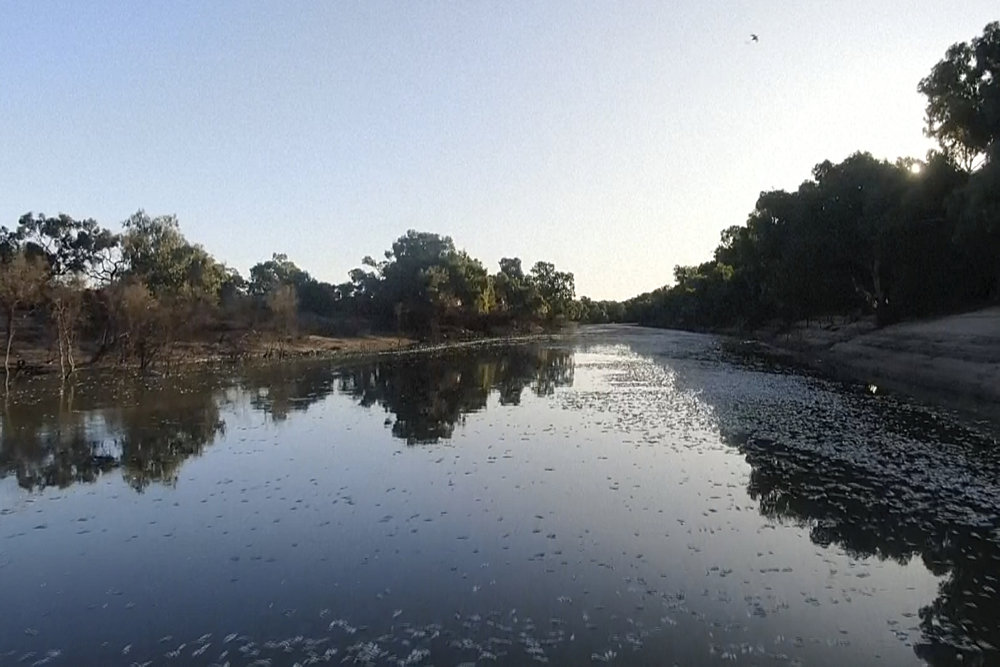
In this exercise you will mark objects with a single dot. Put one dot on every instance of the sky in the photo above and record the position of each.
(615, 139)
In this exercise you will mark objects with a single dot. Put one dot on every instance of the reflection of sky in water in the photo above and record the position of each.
(605, 516)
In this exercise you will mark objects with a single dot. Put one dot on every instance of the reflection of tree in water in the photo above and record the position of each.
(873, 514)
(146, 428)
(280, 390)
(877, 477)
(49, 444)
(163, 426)
(429, 394)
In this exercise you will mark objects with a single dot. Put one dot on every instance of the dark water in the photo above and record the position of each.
(626, 496)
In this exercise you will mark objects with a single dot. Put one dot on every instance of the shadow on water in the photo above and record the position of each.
(283, 390)
(871, 475)
(868, 514)
(884, 478)
(429, 395)
(147, 427)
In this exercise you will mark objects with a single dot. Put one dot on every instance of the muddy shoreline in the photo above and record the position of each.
(192, 356)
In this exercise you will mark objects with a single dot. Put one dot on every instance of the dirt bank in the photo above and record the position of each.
(37, 360)
(955, 357)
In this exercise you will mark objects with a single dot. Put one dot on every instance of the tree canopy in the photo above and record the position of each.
(963, 98)
(158, 255)
(860, 236)
(898, 239)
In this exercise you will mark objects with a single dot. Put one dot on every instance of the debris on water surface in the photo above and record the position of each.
(813, 483)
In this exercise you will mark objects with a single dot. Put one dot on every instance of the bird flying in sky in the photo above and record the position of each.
(754, 38)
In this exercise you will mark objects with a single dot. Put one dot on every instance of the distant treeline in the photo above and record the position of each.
(865, 236)
(74, 285)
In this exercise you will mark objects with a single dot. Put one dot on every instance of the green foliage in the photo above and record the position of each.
(69, 247)
(22, 284)
(267, 276)
(135, 294)
(599, 312)
(556, 289)
(311, 295)
(963, 97)
(516, 295)
(977, 208)
(425, 283)
(157, 255)
(863, 236)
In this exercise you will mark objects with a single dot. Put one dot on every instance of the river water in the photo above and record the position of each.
(623, 495)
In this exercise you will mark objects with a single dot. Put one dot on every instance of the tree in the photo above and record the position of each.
(146, 322)
(70, 247)
(933, 268)
(71, 252)
(65, 302)
(963, 98)
(277, 271)
(470, 284)
(282, 303)
(556, 289)
(21, 282)
(515, 293)
(412, 288)
(977, 233)
(860, 201)
(158, 255)
(312, 295)
(233, 287)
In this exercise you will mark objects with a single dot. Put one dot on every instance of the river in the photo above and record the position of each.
(623, 496)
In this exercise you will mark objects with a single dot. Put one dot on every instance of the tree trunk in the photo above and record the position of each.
(60, 335)
(64, 324)
(10, 341)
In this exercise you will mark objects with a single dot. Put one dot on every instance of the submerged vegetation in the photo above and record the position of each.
(895, 240)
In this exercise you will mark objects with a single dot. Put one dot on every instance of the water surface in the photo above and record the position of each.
(623, 496)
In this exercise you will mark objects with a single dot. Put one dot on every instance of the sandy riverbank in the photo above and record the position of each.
(955, 357)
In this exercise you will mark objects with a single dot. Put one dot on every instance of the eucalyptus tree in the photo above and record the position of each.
(157, 254)
(556, 288)
(75, 254)
(70, 247)
(22, 281)
(423, 282)
(963, 98)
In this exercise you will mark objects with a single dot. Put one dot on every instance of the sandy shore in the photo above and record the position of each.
(956, 358)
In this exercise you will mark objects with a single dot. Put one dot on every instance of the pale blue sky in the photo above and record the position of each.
(615, 139)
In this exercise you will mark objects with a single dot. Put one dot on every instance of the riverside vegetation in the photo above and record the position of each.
(863, 237)
(69, 285)
(623, 495)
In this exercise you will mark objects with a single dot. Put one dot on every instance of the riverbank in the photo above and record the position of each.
(956, 358)
(38, 360)
(43, 360)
